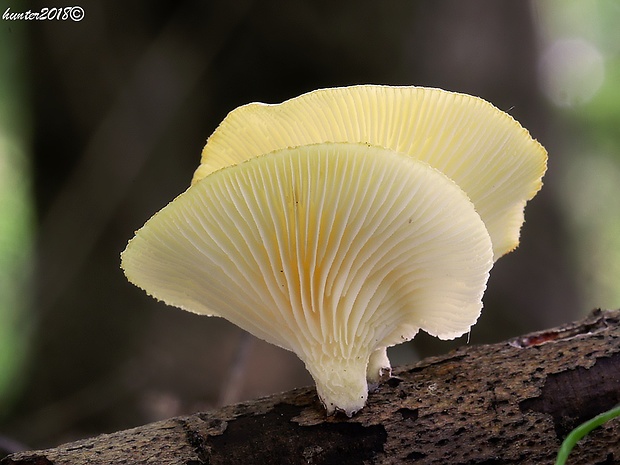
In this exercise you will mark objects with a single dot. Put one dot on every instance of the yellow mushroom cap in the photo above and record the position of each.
(343, 221)
(484, 150)
(330, 250)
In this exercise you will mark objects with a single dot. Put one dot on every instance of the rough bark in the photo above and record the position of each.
(507, 403)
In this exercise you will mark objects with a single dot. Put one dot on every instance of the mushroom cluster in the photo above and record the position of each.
(342, 222)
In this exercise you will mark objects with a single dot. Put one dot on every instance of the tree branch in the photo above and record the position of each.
(507, 403)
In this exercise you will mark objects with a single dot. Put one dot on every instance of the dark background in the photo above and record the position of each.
(121, 105)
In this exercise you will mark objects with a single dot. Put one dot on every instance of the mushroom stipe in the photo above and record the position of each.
(342, 222)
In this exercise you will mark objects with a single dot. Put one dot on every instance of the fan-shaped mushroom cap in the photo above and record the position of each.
(484, 150)
(332, 250)
(342, 222)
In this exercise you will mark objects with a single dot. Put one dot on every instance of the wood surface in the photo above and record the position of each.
(507, 403)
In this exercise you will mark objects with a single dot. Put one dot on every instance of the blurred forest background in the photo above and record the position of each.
(102, 122)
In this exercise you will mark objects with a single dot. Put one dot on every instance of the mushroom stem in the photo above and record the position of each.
(379, 368)
(340, 383)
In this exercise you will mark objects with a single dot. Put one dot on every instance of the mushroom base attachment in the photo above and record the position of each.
(341, 384)
(379, 368)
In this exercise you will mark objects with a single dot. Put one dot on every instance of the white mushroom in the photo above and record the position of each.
(337, 249)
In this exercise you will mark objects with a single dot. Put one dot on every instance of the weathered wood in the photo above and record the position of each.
(507, 403)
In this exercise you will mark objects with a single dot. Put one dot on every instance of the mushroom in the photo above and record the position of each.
(342, 222)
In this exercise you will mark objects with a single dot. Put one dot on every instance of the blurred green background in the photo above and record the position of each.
(102, 122)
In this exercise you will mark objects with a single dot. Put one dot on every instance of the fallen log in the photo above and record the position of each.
(507, 403)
